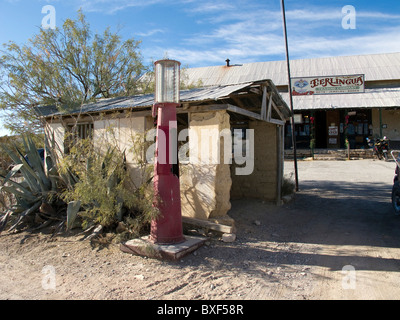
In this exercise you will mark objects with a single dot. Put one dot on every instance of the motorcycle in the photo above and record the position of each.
(396, 184)
(380, 146)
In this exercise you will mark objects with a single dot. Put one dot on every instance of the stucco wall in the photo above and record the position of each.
(121, 133)
(205, 181)
(391, 118)
(56, 131)
(262, 182)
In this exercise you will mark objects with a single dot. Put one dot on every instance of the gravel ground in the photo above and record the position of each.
(338, 239)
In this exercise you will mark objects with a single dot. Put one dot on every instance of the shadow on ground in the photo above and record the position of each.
(329, 224)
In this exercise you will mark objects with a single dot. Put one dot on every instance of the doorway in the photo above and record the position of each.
(320, 129)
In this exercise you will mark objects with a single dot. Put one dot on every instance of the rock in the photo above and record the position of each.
(121, 227)
(39, 219)
(257, 222)
(228, 237)
(46, 209)
(287, 198)
(139, 277)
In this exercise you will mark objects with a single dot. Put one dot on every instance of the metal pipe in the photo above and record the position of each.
(290, 96)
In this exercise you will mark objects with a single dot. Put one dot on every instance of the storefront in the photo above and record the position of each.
(334, 98)
(330, 128)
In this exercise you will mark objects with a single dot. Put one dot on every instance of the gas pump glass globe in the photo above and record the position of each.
(167, 81)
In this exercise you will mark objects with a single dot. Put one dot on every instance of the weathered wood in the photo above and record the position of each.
(276, 121)
(209, 225)
(269, 107)
(264, 104)
(278, 111)
(244, 112)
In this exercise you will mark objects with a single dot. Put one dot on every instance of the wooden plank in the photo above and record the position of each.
(264, 104)
(208, 225)
(276, 121)
(280, 150)
(278, 111)
(244, 112)
(202, 108)
(269, 107)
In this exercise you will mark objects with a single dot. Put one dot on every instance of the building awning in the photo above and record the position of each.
(371, 98)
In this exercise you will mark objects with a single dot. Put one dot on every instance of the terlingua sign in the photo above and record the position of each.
(327, 85)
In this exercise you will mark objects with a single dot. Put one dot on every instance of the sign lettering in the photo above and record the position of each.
(327, 85)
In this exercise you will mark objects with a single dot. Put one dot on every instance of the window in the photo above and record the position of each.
(77, 132)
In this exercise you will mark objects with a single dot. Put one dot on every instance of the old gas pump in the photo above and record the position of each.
(167, 228)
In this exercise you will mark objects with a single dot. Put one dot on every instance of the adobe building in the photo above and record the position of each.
(370, 109)
(213, 116)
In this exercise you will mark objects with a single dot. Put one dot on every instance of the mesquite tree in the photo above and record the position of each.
(65, 67)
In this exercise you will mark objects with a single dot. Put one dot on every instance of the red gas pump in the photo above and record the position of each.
(167, 228)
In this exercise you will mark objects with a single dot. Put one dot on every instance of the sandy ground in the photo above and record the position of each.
(339, 239)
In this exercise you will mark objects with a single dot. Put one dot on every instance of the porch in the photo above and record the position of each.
(330, 154)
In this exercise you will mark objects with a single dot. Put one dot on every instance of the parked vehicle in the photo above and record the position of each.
(380, 146)
(396, 183)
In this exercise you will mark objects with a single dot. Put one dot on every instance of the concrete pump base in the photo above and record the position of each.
(145, 247)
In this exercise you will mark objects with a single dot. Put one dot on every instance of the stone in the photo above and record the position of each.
(228, 237)
(121, 227)
(287, 198)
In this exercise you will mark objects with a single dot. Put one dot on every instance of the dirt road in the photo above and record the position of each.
(338, 239)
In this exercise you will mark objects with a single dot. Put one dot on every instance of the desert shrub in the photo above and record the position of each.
(88, 187)
(105, 194)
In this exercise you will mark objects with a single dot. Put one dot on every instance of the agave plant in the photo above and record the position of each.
(85, 184)
(36, 191)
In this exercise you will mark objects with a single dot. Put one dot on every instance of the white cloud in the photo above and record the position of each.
(209, 7)
(257, 49)
(248, 31)
(386, 40)
(113, 6)
(149, 33)
(253, 35)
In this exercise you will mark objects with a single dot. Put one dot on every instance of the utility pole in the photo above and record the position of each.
(290, 97)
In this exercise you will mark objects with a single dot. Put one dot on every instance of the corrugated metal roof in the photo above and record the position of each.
(375, 67)
(210, 93)
(141, 101)
(371, 98)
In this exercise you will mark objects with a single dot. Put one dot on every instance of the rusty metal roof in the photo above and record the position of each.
(203, 94)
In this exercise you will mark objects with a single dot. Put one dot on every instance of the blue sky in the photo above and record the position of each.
(205, 33)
